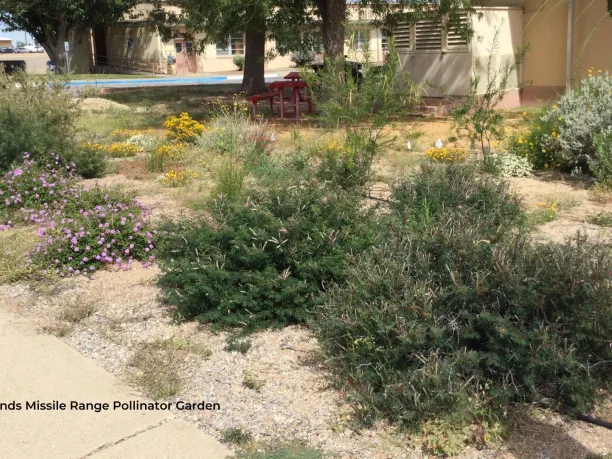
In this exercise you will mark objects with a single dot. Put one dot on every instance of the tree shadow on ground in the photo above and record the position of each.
(579, 182)
(540, 434)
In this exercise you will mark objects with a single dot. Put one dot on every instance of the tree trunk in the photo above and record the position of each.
(333, 14)
(253, 81)
(56, 51)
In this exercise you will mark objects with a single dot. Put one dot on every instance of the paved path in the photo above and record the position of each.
(38, 367)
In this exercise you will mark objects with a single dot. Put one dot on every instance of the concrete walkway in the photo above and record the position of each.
(37, 367)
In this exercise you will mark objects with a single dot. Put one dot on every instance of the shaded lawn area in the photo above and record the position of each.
(110, 76)
(199, 101)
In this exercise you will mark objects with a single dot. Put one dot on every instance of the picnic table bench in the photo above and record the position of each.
(276, 96)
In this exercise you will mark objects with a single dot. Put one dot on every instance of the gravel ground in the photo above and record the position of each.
(97, 104)
(297, 401)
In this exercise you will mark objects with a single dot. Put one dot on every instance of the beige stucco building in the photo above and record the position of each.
(445, 62)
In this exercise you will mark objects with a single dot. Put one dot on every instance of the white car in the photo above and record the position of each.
(34, 49)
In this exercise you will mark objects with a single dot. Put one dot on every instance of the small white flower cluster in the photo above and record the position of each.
(509, 165)
(144, 141)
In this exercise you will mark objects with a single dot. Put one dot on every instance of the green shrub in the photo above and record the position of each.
(359, 105)
(530, 142)
(37, 115)
(302, 58)
(601, 163)
(456, 313)
(477, 116)
(88, 162)
(230, 180)
(263, 262)
(238, 61)
(578, 117)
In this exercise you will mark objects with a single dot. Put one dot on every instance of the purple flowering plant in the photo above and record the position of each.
(80, 229)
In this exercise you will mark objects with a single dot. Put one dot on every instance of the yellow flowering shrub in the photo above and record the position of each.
(183, 128)
(122, 150)
(127, 133)
(173, 152)
(176, 178)
(114, 150)
(546, 211)
(447, 155)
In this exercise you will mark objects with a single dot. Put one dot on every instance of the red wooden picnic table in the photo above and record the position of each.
(296, 98)
(293, 76)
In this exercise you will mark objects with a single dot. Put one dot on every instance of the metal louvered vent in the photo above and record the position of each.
(402, 36)
(428, 36)
(454, 39)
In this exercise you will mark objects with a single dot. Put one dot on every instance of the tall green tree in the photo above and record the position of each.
(54, 22)
(214, 21)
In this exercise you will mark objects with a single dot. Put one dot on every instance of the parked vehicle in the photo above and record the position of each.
(5, 50)
(21, 50)
(34, 49)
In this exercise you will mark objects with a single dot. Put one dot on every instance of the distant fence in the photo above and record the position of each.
(125, 63)
(13, 66)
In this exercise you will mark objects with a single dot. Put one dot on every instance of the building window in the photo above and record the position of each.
(384, 40)
(429, 36)
(361, 38)
(235, 45)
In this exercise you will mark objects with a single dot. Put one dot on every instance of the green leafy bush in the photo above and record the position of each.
(601, 164)
(37, 115)
(302, 58)
(89, 162)
(263, 262)
(456, 313)
(576, 119)
(531, 141)
(238, 61)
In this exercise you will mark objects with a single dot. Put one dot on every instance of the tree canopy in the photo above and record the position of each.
(53, 22)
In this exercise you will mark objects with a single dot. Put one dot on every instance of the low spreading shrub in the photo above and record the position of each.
(183, 128)
(145, 142)
(122, 149)
(125, 134)
(79, 229)
(37, 115)
(173, 152)
(30, 192)
(509, 165)
(100, 228)
(176, 178)
(456, 313)
(447, 155)
(261, 262)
